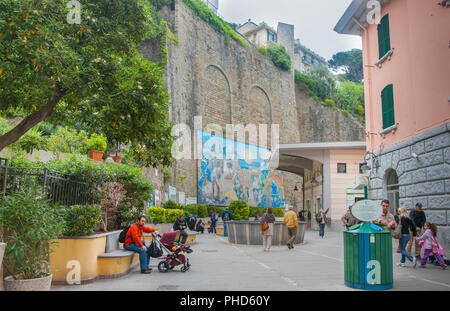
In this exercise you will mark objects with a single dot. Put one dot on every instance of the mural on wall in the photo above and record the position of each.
(223, 178)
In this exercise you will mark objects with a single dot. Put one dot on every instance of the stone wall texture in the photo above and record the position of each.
(228, 84)
(425, 179)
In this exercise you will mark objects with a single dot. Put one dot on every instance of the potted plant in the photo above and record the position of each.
(96, 145)
(118, 158)
(29, 224)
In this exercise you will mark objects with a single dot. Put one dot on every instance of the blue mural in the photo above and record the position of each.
(225, 177)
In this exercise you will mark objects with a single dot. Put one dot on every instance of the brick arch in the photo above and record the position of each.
(259, 108)
(215, 106)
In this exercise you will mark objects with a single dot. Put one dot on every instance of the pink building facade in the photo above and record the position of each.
(406, 56)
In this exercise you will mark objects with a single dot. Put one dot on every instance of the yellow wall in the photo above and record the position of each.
(84, 251)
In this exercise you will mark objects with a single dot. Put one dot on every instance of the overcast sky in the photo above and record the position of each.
(314, 20)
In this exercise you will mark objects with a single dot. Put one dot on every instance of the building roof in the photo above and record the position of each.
(358, 10)
(263, 25)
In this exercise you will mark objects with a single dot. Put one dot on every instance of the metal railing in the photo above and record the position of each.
(57, 187)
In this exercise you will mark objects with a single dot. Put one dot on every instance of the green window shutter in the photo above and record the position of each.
(384, 38)
(387, 103)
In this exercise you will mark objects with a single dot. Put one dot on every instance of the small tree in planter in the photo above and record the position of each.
(113, 194)
(81, 220)
(239, 210)
(96, 146)
(29, 224)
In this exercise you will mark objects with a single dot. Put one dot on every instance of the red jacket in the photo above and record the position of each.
(134, 235)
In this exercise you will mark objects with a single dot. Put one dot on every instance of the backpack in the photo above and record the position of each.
(123, 234)
(155, 250)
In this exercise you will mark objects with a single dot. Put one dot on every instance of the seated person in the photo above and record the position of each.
(210, 229)
(133, 242)
(200, 226)
(191, 222)
(180, 225)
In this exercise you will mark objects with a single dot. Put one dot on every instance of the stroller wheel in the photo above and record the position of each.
(184, 268)
(163, 267)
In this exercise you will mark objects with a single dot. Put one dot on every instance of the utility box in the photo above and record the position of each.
(368, 257)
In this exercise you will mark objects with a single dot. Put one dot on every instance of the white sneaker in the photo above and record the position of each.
(401, 264)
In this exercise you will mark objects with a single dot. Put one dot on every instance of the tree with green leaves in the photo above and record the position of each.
(91, 71)
(351, 62)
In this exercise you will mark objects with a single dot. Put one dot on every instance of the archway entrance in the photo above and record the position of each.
(393, 194)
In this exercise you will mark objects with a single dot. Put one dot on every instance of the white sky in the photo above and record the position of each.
(314, 20)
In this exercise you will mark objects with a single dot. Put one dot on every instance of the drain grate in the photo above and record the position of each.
(167, 287)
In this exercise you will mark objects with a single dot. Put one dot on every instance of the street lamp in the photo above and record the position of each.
(365, 167)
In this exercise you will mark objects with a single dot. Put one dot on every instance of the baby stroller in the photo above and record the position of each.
(169, 243)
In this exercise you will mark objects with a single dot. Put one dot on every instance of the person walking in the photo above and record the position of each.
(322, 221)
(290, 219)
(133, 243)
(419, 219)
(267, 234)
(408, 232)
(226, 216)
(430, 245)
(214, 218)
(348, 219)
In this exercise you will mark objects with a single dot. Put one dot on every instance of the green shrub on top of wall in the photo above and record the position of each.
(173, 214)
(202, 11)
(239, 210)
(279, 56)
(81, 220)
(203, 211)
(278, 212)
(157, 215)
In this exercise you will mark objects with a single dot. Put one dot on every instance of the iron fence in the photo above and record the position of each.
(55, 186)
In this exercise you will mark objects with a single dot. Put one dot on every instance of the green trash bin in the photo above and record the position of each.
(368, 257)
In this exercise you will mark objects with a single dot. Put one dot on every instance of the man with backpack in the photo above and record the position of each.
(226, 216)
(133, 242)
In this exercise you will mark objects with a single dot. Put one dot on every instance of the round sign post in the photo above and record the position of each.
(367, 210)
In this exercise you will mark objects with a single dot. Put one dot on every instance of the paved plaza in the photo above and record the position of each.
(317, 265)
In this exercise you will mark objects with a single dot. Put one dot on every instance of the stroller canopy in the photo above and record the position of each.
(169, 238)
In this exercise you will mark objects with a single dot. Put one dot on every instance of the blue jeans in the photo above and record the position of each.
(225, 234)
(321, 230)
(402, 245)
(144, 257)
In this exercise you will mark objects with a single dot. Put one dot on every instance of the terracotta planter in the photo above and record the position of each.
(96, 155)
(117, 159)
(42, 284)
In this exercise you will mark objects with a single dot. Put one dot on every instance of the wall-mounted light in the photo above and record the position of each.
(365, 167)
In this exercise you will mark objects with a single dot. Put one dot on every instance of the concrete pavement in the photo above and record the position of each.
(317, 265)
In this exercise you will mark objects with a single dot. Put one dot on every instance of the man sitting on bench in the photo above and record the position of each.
(180, 225)
(133, 243)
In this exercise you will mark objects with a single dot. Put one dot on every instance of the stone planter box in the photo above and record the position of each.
(249, 233)
(41, 284)
(85, 250)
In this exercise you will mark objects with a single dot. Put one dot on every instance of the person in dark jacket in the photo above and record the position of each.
(408, 227)
(180, 224)
(226, 216)
(419, 219)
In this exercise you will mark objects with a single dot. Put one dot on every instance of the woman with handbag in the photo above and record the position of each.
(267, 221)
(408, 231)
(429, 242)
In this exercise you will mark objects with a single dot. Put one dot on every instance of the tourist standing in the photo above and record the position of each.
(213, 221)
(386, 219)
(290, 219)
(267, 234)
(322, 221)
(226, 216)
(419, 219)
(408, 232)
(430, 244)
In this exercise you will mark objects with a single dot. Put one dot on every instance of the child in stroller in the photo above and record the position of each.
(170, 242)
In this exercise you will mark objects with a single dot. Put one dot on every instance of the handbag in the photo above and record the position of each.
(397, 233)
(264, 226)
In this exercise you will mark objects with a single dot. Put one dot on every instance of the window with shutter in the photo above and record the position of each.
(384, 38)
(387, 103)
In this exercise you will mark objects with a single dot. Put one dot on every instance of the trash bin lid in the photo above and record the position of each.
(368, 228)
